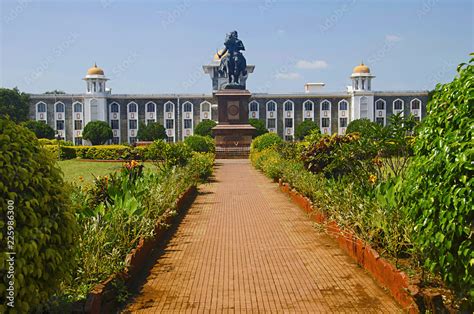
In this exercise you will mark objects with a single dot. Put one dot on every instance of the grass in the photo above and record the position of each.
(74, 170)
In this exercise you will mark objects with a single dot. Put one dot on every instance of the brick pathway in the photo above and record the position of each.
(243, 246)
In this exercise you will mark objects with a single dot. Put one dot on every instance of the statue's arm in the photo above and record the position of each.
(241, 46)
(223, 53)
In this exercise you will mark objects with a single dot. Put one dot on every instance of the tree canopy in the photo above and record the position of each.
(14, 104)
(97, 132)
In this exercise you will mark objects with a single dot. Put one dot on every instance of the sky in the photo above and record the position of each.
(150, 47)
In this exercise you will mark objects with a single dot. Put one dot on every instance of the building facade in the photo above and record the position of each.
(180, 113)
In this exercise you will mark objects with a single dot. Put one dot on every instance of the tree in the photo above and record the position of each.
(58, 92)
(41, 129)
(259, 125)
(365, 128)
(97, 132)
(304, 128)
(14, 104)
(152, 131)
(204, 128)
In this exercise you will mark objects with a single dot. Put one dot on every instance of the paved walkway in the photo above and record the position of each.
(243, 246)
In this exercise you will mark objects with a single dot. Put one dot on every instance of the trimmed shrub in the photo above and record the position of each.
(202, 164)
(204, 128)
(202, 144)
(265, 141)
(67, 152)
(365, 128)
(259, 126)
(151, 132)
(105, 152)
(46, 141)
(169, 154)
(41, 129)
(305, 128)
(97, 132)
(34, 197)
(437, 193)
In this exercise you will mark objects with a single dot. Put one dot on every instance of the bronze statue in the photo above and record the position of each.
(233, 64)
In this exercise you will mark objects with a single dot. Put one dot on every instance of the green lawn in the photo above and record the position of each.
(74, 169)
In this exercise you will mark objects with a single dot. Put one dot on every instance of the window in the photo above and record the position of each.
(271, 106)
(253, 106)
(205, 106)
(114, 124)
(380, 104)
(271, 123)
(380, 121)
(41, 107)
(325, 105)
(170, 139)
(188, 123)
(77, 124)
(132, 140)
(188, 107)
(415, 104)
(417, 119)
(78, 141)
(132, 124)
(114, 107)
(289, 138)
(169, 107)
(115, 140)
(288, 123)
(288, 106)
(60, 125)
(343, 105)
(398, 105)
(308, 119)
(308, 105)
(77, 107)
(169, 123)
(364, 107)
(325, 122)
(343, 122)
(150, 121)
(93, 104)
(150, 107)
(132, 107)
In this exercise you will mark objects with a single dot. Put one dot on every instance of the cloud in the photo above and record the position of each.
(311, 65)
(288, 76)
(392, 38)
(281, 32)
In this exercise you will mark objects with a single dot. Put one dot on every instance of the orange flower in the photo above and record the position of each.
(81, 179)
(372, 179)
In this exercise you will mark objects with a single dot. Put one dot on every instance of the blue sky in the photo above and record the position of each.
(160, 46)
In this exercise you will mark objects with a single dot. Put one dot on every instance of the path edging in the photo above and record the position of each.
(386, 274)
(102, 298)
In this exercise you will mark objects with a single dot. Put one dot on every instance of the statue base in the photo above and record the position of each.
(233, 86)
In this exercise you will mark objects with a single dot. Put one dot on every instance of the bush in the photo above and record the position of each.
(46, 141)
(204, 128)
(365, 128)
(305, 128)
(169, 154)
(45, 225)
(202, 144)
(109, 152)
(151, 132)
(259, 126)
(67, 152)
(265, 141)
(41, 129)
(97, 132)
(438, 189)
(202, 164)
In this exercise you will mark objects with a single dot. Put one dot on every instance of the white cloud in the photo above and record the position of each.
(281, 32)
(392, 38)
(288, 76)
(311, 65)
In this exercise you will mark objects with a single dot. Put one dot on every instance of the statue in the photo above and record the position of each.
(233, 65)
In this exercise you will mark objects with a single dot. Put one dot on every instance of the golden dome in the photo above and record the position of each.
(361, 68)
(95, 70)
(216, 57)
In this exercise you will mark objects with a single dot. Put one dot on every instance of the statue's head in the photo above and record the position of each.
(234, 34)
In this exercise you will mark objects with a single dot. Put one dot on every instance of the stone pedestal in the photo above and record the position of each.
(233, 134)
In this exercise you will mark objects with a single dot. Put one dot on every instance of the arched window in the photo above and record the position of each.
(187, 107)
(397, 105)
(114, 107)
(288, 105)
(41, 107)
(380, 104)
(415, 104)
(364, 107)
(308, 105)
(169, 107)
(325, 105)
(343, 105)
(150, 107)
(253, 105)
(77, 107)
(205, 106)
(132, 107)
(271, 106)
(60, 107)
